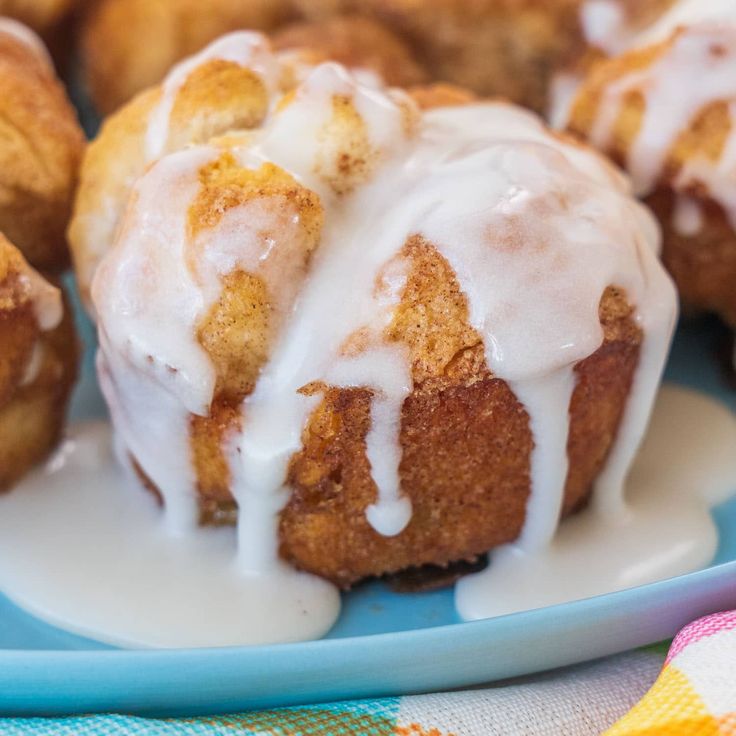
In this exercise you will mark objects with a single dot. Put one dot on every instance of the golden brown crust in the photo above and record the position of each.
(356, 42)
(41, 149)
(37, 371)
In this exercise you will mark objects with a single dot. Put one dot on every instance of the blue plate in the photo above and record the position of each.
(384, 643)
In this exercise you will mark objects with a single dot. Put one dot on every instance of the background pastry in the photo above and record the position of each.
(41, 145)
(664, 111)
(128, 45)
(418, 407)
(354, 41)
(117, 66)
(41, 15)
(508, 48)
(38, 358)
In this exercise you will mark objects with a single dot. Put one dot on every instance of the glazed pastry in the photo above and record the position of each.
(664, 110)
(41, 145)
(381, 336)
(509, 48)
(38, 358)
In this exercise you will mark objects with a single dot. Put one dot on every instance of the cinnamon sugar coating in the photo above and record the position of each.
(37, 369)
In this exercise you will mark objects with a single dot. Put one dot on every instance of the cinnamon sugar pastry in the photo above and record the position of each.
(38, 356)
(380, 335)
(666, 111)
(41, 145)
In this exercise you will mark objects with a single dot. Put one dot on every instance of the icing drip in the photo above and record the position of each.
(391, 512)
(26, 36)
(657, 323)
(46, 299)
(547, 401)
(34, 365)
(605, 25)
(246, 49)
(149, 344)
(687, 218)
(515, 212)
(563, 89)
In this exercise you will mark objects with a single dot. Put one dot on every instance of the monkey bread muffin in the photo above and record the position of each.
(379, 329)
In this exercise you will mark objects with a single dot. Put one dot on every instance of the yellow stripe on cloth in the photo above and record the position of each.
(671, 707)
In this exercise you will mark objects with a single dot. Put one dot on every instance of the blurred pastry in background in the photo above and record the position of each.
(128, 45)
(41, 15)
(38, 365)
(665, 110)
(507, 48)
(41, 147)
(356, 42)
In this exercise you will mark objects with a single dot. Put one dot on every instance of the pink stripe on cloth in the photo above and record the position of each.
(700, 629)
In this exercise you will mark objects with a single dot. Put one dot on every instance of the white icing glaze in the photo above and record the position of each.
(30, 374)
(25, 35)
(48, 307)
(687, 13)
(84, 550)
(246, 49)
(605, 25)
(563, 89)
(687, 217)
(514, 210)
(667, 531)
(547, 401)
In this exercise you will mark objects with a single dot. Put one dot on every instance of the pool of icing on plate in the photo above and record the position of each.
(83, 548)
